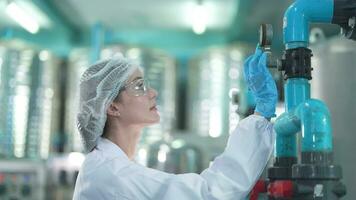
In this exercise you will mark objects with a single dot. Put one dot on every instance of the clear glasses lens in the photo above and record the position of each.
(138, 87)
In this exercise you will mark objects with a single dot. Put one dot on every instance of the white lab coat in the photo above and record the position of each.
(108, 174)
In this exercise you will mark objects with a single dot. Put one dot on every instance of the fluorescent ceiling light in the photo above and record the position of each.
(22, 17)
(200, 17)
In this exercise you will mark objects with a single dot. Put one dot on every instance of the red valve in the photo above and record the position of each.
(260, 187)
(280, 189)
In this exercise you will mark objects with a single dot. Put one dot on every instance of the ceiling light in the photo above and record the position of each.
(199, 20)
(24, 19)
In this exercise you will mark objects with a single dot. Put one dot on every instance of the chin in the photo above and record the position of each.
(156, 120)
(152, 120)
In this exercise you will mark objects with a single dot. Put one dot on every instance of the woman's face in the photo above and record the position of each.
(137, 103)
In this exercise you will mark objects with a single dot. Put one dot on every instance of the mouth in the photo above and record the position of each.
(153, 107)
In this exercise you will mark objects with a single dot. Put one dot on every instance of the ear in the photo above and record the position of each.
(113, 110)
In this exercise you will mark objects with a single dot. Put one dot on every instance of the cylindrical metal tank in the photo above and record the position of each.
(334, 82)
(159, 69)
(78, 63)
(174, 156)
(213, 78)
(28, 102)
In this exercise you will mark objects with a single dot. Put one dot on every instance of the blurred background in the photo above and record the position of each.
(192, 52)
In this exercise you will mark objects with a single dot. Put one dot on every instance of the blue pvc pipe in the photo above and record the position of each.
(298, 16)
(97, 40)
(316, 126)
(296, 91)
(312, 117)
(287, 124)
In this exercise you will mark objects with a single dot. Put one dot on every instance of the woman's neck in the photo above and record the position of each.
(125, 136)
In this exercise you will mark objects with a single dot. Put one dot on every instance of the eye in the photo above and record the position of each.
(140, 83)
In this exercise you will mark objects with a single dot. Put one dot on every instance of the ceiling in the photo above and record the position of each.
(166, 23)
(140, 14)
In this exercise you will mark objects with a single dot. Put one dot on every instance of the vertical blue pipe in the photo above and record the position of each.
(97, 39)
(296, 90)
(296, 34)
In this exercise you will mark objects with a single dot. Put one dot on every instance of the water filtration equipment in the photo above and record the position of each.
(308, 172)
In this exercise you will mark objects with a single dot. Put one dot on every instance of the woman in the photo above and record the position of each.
(116, 104)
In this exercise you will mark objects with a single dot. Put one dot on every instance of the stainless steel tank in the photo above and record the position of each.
(334, 82)
(28, 102)
(213, 78)
(174, 156)
(78, 63)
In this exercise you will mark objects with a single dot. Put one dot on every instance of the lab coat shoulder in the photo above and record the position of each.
(98, 179)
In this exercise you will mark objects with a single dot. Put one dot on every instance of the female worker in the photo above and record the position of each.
(116, 104)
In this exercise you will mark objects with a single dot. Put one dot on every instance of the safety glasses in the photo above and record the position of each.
(138, 87)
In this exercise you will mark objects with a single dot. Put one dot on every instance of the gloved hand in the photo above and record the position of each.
(261, 83)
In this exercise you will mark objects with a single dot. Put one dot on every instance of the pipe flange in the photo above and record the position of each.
(296, 63)
(310, 171)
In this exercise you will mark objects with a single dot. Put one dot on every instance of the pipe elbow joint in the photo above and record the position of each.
(298, 16)
(316, 125)
(287, 124)
(314, 113)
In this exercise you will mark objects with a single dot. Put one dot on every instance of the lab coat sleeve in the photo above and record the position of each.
(232, 174)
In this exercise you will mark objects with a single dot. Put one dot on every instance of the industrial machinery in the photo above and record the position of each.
(310, 173)
(336, 57)
(29, 103)
(22, 179)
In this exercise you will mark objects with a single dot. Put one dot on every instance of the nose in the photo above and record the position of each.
(152, 93)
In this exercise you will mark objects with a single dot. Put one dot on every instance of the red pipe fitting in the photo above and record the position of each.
(281, 189)
(260, 187)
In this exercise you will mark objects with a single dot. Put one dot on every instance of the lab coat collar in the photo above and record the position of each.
(110, 149)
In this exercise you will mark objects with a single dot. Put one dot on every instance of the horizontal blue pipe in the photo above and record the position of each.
(298, 16)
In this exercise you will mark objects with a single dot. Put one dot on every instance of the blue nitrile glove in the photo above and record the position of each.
(261, 83)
